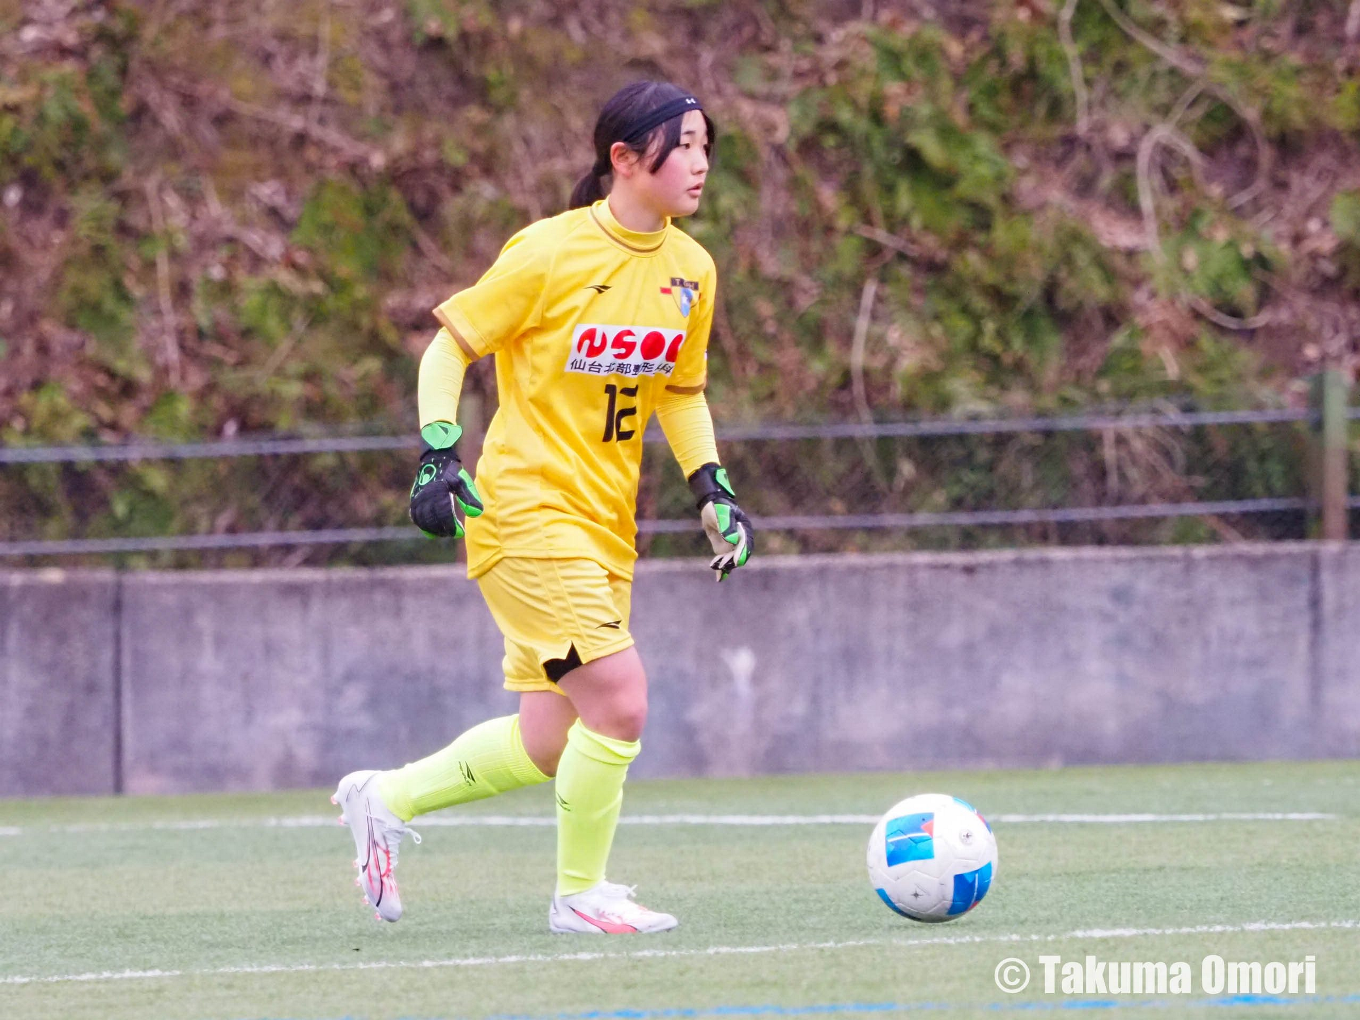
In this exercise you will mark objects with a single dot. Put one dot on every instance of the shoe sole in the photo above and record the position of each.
(589, 927)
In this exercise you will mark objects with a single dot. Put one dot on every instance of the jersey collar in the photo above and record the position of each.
(634, 242)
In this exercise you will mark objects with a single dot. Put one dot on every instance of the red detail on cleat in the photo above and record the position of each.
(612, 927)
(377, 916)
(334, 801)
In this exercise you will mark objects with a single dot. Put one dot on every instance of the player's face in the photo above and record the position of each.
(674, 189)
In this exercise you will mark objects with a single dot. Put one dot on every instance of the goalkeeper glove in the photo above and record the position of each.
(441, 483)
(726, 524)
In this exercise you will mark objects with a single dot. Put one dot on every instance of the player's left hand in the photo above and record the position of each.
(726, 524)
(441, 484)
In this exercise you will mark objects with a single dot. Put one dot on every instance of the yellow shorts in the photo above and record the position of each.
(555, 615)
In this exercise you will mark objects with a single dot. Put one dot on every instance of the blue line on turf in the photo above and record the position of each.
(1029, 1006)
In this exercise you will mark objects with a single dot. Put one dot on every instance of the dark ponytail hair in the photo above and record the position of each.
(628, 106)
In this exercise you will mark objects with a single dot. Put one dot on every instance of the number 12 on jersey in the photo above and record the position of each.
(614, 416)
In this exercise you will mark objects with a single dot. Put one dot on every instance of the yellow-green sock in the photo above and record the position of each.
(589, 793)
(484, 761)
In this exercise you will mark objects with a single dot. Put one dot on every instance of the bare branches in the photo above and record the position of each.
(1183, 62)
(1195, 69)
(1229, 321)
(1167, 134)
(866, 308)
(1263, 155)
(888, 240)
(1184, 103)
(930, 254)
(341, 143)
(857, 388)
(1147, 151)
(169, 323)
(323, 60)
(1164, 133)
(431, 251)
(1069, 46)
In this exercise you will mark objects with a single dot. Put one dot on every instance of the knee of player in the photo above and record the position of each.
(627, 715)
(546, 760)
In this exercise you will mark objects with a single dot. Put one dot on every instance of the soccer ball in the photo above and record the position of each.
(932, 857)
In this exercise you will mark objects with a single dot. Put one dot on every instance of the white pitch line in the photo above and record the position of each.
(653, 954)
(511, 821)
(1134, 819)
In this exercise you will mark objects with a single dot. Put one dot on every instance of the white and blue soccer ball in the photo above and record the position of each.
(932, 857)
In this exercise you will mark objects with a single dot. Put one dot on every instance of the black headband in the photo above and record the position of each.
(660, 115)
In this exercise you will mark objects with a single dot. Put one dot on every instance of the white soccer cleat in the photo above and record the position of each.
(606, 909)
(377, 838)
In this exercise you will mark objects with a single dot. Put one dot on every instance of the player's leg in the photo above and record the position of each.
(610, 696)
(545, 717)
(488, 759)
(609, 693)
(483, 761)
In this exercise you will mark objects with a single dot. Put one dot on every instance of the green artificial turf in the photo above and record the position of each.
(247, 918)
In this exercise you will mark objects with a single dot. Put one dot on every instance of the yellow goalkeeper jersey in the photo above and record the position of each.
(590, 324)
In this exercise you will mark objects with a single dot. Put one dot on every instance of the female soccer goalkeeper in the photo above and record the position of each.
(598, 318)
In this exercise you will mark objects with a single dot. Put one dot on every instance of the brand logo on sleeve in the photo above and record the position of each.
(624, 350)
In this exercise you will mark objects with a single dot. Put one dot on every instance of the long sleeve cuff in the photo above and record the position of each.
(688, 425)
(441, 379)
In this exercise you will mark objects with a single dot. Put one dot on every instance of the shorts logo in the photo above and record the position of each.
(624, 350)
(685, 292)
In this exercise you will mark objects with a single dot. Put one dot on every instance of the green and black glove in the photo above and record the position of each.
(441, 483)
(726, 524)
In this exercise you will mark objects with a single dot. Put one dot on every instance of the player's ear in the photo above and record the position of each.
(624, 159)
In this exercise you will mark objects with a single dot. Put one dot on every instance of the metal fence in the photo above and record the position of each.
(1133, 476)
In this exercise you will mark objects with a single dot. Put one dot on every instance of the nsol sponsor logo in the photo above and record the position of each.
(624, 350)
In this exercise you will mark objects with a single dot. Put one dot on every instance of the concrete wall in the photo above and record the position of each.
(58, 682)
(262, 679)
(251, 680)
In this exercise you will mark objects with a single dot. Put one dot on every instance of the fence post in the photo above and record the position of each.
(1329, 402)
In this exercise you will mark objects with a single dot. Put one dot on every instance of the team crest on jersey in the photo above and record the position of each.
(685, 292)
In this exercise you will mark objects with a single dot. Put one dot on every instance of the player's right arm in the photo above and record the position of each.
(442, 486)
(480, 320)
